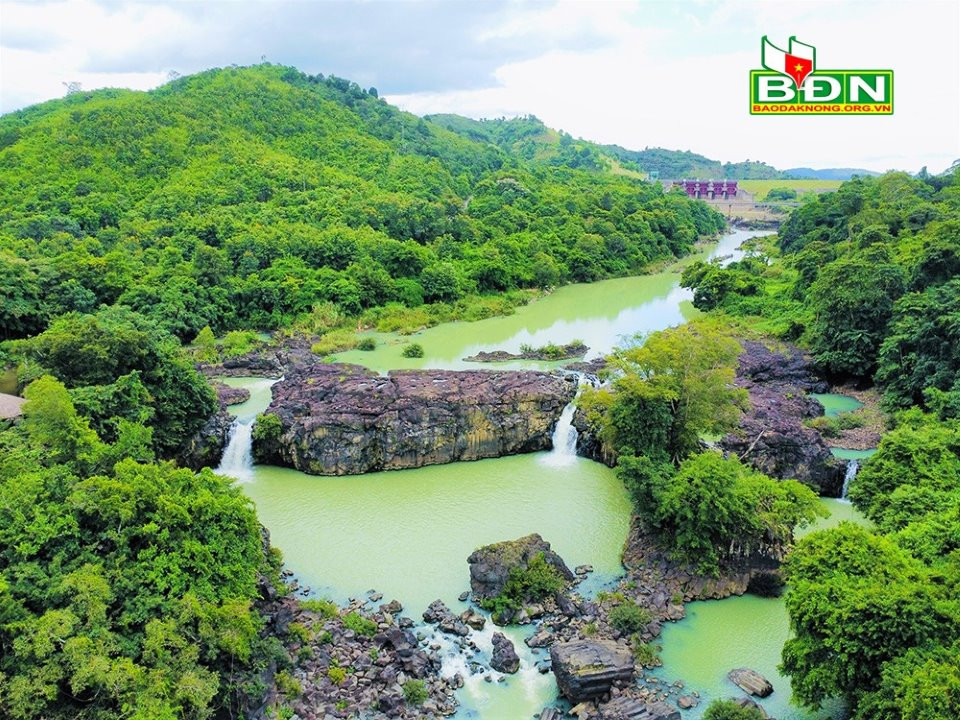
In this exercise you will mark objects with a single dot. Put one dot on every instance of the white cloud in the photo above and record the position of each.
(633, 73)
(687, 89)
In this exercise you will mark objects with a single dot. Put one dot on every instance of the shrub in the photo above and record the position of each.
(415, 692)
(337, 675)
(326, 608)
(288, 684)
(537, 581)
(334, 341)
(238, 342)
(413, 350)
(367, 344)
(267, 429)
(730, 710)
(629, 618)
(359, 624)
(646, 654)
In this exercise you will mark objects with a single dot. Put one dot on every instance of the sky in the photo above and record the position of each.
(635, 73)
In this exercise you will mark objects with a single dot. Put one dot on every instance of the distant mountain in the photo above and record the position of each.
(675, 164)
(827, 173)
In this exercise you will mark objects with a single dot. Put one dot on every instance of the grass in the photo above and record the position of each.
(760, 188)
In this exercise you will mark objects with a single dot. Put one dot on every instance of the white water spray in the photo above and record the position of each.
(565, 435)
(852, 467)
(237, 460)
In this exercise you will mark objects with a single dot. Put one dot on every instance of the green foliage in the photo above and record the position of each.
(359, 624)
(674, 387)
(122, 584)
(781, 193)
(629, 618)
(324, 608)
(413, 350)
(536, 581)
(415, 692)
(197, 208)
(367, 344)
(334, 341)
(120, 365)
(287, 684)
(645, 654)
(731, 710)
(337, 675)
(715, 510)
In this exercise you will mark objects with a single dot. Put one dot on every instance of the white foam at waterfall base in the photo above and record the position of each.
(237, 460)
(564, 450)
(852, 467)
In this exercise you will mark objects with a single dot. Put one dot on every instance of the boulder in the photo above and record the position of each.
(205, 447)
(588, 669)
(440, 615)
(490, 565)
(505, 658)
(750, 681)
(772, 437)
(343, 419)
(626, 708)
(230, 395)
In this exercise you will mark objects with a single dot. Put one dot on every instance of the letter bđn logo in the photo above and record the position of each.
(791, 84)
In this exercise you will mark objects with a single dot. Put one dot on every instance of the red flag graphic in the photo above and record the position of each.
(798, 68)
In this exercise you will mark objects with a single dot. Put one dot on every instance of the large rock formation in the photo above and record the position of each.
(490, 565)
(505, 658)
(772, 436)
(588, 669)
(750, 681)
(343, 419)
(205, 447)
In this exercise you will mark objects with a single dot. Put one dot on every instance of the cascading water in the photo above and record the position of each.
(852, 467)
(237, 460)
(564, 450)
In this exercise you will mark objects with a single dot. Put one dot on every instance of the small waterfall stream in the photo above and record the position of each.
(237, 460)
(852, 467)
(564, 450)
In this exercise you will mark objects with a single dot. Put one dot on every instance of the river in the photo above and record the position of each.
(407, 533)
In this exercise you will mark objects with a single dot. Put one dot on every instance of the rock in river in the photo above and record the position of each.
(588, 669)
(505, 658)
(343, 419)
(750, 681)
(490, 565)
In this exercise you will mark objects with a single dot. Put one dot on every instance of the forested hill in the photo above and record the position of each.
(243, 197)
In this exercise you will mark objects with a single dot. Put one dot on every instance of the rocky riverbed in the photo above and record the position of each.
(339, 419)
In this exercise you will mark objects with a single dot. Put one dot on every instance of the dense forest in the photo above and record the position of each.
(261, 198)
(245, 197)
(867, 279)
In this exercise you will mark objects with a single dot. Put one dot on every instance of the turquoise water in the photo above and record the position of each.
(407, 533)
(717, 636)
(849, 454)
(834, 404)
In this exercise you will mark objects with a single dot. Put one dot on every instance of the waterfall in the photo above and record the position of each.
(852, 467)
(237, 460)
(564, 449)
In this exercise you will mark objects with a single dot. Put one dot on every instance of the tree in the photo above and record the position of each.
(714, 511)
(856, 601)
(680, 379)
(732, 710)
(103, 348)
(853, 300)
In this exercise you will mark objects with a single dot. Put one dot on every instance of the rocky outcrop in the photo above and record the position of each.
(589, 444)
(490, 565)
(589, 669)
(572, 350)
(230, 395)
(343, 419)
(627, 708)
(437, 613)
(750, 681)
(205, 447)
(504, 658)
(772, 436)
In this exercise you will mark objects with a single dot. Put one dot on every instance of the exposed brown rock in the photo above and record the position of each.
(343, 419)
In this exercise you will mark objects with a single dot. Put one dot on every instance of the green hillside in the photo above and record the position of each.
(243, 197)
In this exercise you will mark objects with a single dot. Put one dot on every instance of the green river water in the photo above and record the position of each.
(407, 533)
